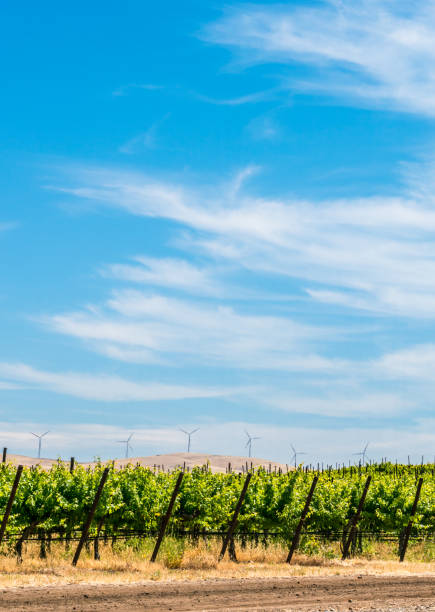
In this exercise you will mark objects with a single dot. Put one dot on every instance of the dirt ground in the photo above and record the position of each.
(325, 594)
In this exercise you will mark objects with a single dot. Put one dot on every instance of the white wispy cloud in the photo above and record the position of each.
(376, 52)
(259, 96)
(357, 403)
(389, 300)
(375, 254)
(102, 387)
(415, 362)
(167, 272)
(7, 386)
(264, 128)
(143, 327)
(124, 90)
(146, 139)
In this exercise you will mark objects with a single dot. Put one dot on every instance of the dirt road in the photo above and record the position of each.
(338, 593)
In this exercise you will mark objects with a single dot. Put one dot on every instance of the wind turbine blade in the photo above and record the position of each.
(129, 437)
(293, 448)
(44, 434)
(194, 431)
(36, 435)
(246, 432)
(184, 431)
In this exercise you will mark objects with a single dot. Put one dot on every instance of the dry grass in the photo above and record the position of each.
(171, 461)
(179, 561)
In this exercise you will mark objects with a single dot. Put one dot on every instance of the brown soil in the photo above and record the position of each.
(326, 594)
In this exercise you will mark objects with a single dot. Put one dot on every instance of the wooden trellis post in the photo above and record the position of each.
(233, 523)
(298, 530)
(90, 516)
(355, 519)
(10, 502)
(409, 525)
(167, 516)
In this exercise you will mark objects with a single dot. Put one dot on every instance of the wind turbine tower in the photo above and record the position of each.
(249, 443)
(128, 446)
(295, 455)
(39, 441)
(363, 453)
(189, 434)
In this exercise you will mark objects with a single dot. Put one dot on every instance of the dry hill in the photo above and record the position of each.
(217, 463)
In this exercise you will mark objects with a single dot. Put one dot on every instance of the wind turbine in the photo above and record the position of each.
(39, 441)
(189, 434)
(249, 442)
(295, 454)
(127, 444)
(362, 454)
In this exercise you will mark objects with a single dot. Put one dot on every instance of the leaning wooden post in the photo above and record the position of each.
(10, 502)
(233, 523)
(71, 464)
(5, 454)
(165, 520)
(409, 525)
(90, 516)
(298, 530)
(355, 519)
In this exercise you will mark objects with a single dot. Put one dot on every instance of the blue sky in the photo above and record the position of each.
(218, 217)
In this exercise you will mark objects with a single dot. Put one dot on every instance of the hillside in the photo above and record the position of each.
(218, 463)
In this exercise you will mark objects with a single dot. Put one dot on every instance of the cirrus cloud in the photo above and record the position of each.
(373, 52)
(102, 387)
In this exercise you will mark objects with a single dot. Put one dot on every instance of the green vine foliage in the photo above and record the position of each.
(135, 498)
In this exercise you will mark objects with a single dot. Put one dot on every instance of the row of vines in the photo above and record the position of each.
(135, 498)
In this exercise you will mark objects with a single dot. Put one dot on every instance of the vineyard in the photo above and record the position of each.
(53, 505)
